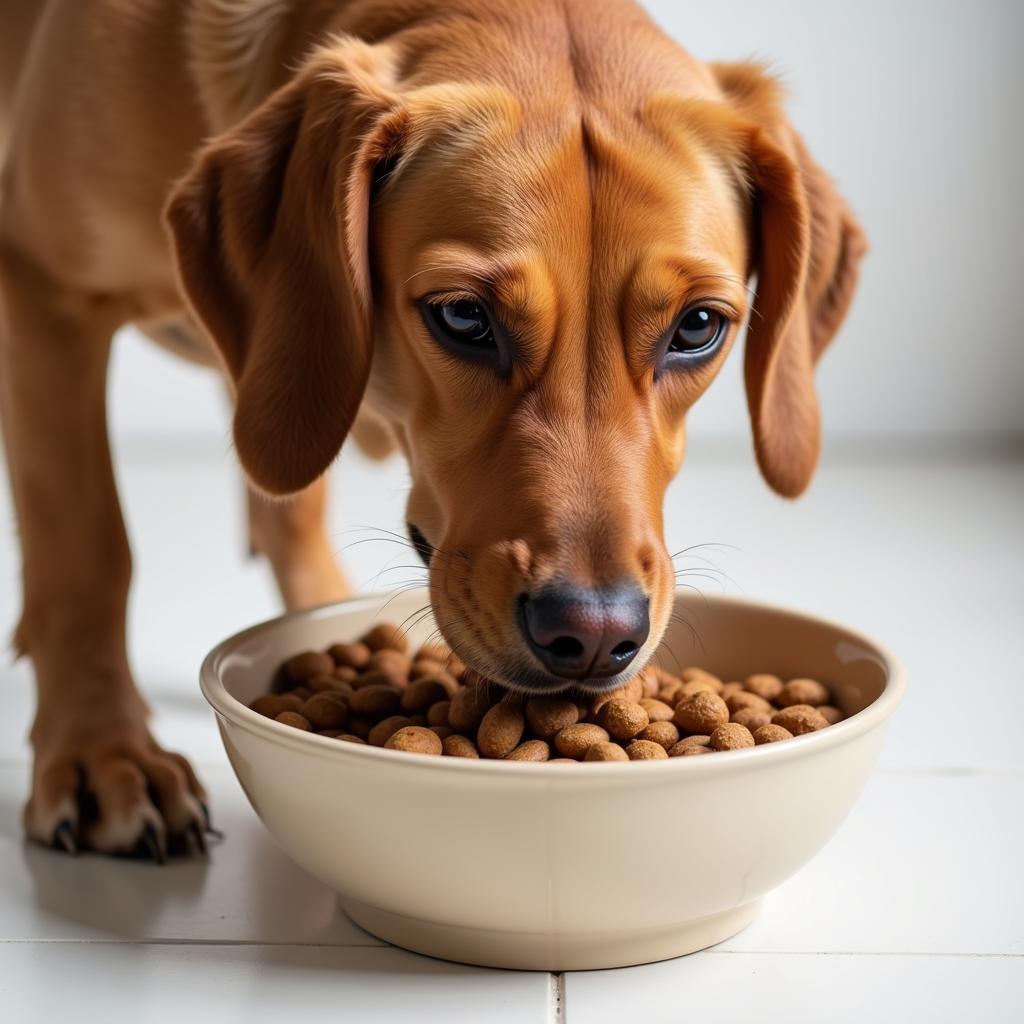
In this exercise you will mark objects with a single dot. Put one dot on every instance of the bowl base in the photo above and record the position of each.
(537, 951)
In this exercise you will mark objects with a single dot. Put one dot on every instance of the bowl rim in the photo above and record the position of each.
(869, 718)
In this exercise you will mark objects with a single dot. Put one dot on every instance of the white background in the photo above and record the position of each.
(914, 107)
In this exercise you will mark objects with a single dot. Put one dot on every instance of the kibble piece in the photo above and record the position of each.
(301, 693)
(680, 748)
(414, 739)
(702, 713)
(744, 699)
(384, 730)
(803, 691)
(294, 719)
(728, 689)
(657, 710)
(771, 734)
(605, 752)
(437, 714)
(377, 701)
(500, 730)
(830, 714)
(326, 711)
(270, 705)
(548, 715)
(387, 660)
(689, 687)
(562, 760)
(650, 683)
(574, 740)
(327, 684)
(308, 664)
(345, 674)
(441, 730)
(459, 746)
(350, 738)
(377, 678)
(437, 650)
(418, 719)
(690, 751)
(645, 750)
(386, 636)
(670, 693)
(799, 719)
(622, 719)
(531, 750)
(422, 694)
(764, 685)
(693, 673)
(731, 736)
(751, 718)
(469, 706)
(664, 733)
(349, 655)
(360, 727)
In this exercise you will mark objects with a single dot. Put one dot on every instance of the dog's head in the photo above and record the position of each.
(533, 293)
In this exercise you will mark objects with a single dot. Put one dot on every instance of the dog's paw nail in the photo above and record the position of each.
(64, 838)
(195, 830)
(151, 844)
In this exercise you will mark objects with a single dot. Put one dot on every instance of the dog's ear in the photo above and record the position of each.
(807, 248)
(270, 230)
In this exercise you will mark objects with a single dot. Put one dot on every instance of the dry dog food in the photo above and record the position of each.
(374, 691)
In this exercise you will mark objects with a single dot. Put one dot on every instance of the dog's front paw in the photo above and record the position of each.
(101, 782)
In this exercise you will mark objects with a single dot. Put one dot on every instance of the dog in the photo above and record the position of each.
(514, 240)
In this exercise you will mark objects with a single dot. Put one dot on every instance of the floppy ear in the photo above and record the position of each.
(807, 250)
(269, 229)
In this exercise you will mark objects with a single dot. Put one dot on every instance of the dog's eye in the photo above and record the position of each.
(698, 330)
(463, 322)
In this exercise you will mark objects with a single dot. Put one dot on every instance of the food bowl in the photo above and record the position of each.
(560, 866)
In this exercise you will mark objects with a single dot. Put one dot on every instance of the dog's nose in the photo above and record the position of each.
(580, 633)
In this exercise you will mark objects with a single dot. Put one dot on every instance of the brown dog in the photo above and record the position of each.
(520, 234)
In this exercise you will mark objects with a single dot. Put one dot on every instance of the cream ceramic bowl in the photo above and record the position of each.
(558, 867)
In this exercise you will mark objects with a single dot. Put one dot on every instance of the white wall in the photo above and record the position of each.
(914, 107)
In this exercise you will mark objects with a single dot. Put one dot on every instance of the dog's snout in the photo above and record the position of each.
(580, 633)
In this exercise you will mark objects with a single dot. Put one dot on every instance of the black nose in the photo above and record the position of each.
(579, 633)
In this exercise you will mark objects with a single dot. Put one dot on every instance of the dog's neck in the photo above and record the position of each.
(241, 50)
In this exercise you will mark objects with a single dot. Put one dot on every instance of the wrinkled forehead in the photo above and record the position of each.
(583, 201)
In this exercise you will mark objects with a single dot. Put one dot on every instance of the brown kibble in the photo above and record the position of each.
(350, 738)
(690, 751)
(327, 684)
(377, 701)
(650, 683)
(437, 650)
(662, 732)
(441, 730)
(469, 706)
(728, 689)
(800, 719)
(563, 760)
(418, 719)
(549, 715)
(771, 734)
(331, 734)
(605, 752)
(645, 750)
(531, 750)
(437, 714)
(422, 694)
(308, 664)
(414, 739)
(294, 719)
(345, 674)
(803, 691)
(622, 719)
(500, 730)
(377, 678)
(657, 710)
(270, 705)
(764, 685)
(326, 711)
(744, 699)
(830, 714)
(302, 693)
(386, 636)
(670, 693)
(354, 656)
(685, 744)
(694, 673)
(392, 662)
(360, 727)
(699, 685)
(384, 730)
(751, 718)
(731, 736)
(574, 740)
(459, 746)
(702, 713)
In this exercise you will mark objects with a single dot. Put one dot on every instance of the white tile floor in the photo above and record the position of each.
(913, 911)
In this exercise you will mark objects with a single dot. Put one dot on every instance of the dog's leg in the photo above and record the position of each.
(291, 534)
(99, 778)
